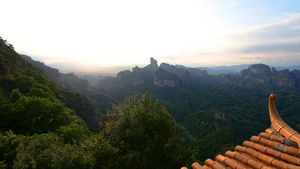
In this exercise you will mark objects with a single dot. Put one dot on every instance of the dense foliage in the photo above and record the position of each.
(146, 134)
(43, 126)
(216, 115)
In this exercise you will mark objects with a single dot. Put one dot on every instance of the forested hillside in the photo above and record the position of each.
(214, 113)
(44, 126)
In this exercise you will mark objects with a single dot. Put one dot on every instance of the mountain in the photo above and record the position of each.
(215, 112)
(89, 103)
(68, 80)
(32, 80)
(238, 68)
(261, 73)
(43, 125)
(30, 101)
(163, 75)
(290, 68)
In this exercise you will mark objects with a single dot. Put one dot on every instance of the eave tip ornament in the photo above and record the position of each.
(278, 124)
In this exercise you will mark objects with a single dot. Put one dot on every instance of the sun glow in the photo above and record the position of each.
(117, 32)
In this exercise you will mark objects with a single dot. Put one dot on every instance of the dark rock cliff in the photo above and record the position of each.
(261, 73)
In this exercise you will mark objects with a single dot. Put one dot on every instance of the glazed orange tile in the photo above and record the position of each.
(266, 142)
(241, 158)
(280, 164)
(264, 135)
(254, 159)
(276, 138)
(276, 127)
(273, 152)
(259, 148)
(287, 132)
(240, 163)
(240, 149)
(229, 154)
(294, 151)
(255, 138)
(220, 158)
(252, 152)
(205, 166)
(254, 164)
(209, 162)
(227, 161)
(290, 159)
(248, 144)
(265, 158)
(196, 166)
(269, 130)
(217, 165)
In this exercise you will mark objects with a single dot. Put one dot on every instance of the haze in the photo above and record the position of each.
(93, 34)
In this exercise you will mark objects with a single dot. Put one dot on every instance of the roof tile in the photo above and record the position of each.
(214, 164)
(196, 166)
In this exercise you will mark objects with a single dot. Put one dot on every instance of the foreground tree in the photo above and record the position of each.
(146, 135)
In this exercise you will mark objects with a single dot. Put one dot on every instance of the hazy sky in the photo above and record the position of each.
(125, 32)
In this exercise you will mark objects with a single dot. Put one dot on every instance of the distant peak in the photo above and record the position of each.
(153, 64)
(153, 61)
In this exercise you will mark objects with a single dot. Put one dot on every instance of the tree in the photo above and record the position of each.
(32, 114)
(146, 135)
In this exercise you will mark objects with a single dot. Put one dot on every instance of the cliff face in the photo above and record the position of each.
(164, 78)
(153, 65)
(284, 78)
(137, 76)
(261, 73)
(163, 75)
(186, 78)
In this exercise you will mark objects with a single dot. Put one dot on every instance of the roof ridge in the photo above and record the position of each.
(279, 125)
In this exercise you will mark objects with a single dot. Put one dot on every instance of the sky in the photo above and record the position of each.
(89, 34)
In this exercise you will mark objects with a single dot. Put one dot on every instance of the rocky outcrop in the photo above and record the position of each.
(163, 75)
(153, 64)
(164, 78)
(137, 76)
(284, 78)
(297, 77)
(229, 77)
(179, 70)
(171, 68)
(142, 76)
(261, 73)
(186, 78)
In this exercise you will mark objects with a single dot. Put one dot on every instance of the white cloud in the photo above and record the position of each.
(118, 32)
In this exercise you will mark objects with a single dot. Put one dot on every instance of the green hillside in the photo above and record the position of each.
(44, 126)
(216, 114)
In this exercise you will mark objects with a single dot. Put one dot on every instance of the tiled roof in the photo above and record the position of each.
(277, 147)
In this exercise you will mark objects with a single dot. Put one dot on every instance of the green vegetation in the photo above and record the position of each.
(218, 115)
(146, 134)
(43, 126)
